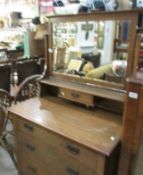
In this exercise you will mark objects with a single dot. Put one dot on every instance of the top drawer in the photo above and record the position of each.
(68, 147)
(76, 96)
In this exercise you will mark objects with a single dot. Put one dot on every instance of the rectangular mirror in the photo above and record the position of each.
(92, 49)
(95, 48)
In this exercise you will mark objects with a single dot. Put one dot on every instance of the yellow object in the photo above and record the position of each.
(99, 72)
(88, 67)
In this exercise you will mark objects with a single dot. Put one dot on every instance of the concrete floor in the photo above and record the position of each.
(6, 164)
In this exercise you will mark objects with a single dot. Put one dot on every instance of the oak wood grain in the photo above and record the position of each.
(97, 130)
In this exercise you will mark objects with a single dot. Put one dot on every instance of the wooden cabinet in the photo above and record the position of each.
(57, 138)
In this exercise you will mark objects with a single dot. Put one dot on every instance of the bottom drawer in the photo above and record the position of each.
(31, 166)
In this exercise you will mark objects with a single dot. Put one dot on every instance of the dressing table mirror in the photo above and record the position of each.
(93, 51)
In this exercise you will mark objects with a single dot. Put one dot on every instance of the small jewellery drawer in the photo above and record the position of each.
(76, 96)
(65, 146)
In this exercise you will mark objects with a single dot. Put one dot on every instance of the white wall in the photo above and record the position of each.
(109, 33)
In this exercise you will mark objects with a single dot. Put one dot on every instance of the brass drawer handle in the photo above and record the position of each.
(28, 127)
(33, 170)
(71, 171)
(75, 95)
(72, 149)
(30, 147)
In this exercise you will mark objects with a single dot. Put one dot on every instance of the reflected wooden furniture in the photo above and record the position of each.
(113, 78)
(77, 141)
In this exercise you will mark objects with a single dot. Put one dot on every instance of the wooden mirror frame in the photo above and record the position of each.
(119, 89)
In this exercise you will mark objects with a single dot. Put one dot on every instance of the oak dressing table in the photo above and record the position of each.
(77, 126)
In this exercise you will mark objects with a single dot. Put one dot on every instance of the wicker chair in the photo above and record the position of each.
(5, 102)
(29, 88)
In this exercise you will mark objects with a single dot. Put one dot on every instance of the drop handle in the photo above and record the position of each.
(28, 127)
(33, 170)
(75, 95)
(71, 171)
(72, 149)
(30, 147)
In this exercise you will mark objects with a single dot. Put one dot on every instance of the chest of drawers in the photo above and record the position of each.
(49, 143)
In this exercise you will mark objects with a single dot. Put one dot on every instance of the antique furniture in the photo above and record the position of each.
(76, 141)
(70, 113)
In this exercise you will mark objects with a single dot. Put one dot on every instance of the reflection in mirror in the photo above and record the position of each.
(92, 49)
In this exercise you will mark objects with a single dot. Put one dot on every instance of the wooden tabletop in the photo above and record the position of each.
(96, 129)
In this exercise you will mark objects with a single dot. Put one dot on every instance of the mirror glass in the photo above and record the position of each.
(91, 49)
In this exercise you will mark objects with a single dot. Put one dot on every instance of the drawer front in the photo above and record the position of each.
(34, 166)
(37, 150)
(76, 96)
(53, 161)
(28, 165)
(65, 146)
